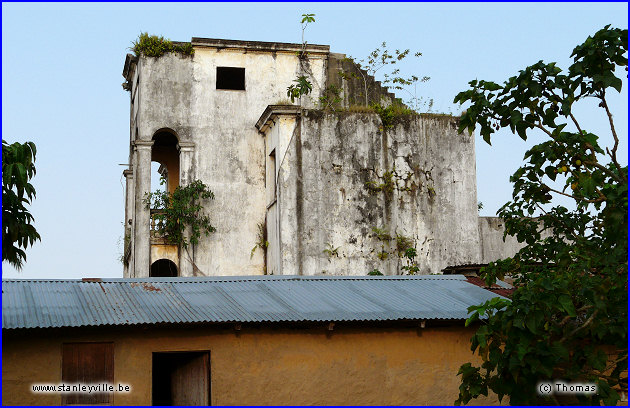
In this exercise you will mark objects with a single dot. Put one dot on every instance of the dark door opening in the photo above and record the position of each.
(163, 268)
(181, 378)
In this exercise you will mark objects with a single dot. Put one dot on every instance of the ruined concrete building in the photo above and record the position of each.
(334, 191)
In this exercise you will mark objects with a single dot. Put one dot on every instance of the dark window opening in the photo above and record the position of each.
(181, 378)
(272, 173)
(231, 78)
(87, 364)
(163, 268)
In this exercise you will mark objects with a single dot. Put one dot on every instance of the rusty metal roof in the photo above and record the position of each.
(115, 302)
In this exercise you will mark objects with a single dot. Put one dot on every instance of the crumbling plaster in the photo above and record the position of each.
(319, 215)
(324, 202)
(178, 93)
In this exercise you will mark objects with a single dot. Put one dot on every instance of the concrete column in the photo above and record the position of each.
(127, 232)
(142, 239)
(186, 151)
(186, 175)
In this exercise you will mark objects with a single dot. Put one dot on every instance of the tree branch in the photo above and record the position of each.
(613, 154)
(577, 329)
(600, 199)
(575, 122)
(606, 170)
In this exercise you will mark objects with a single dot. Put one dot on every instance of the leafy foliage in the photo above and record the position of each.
(261, 239)
(331, 250)
(409, 257)
(379, 59)
(404, 249)
(306, 20)
(156, 46)
(18, 232)
(331, 98)
(301, 87)
(375, 272)
(381, 234)
(389, 114)
(182, 210)
(568, 317)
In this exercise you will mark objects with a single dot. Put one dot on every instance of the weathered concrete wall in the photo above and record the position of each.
(328, 212)
(493, 247)
(228, 153)
(358, 366)
(321, 216)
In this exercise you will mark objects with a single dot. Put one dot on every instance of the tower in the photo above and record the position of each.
(300, 188)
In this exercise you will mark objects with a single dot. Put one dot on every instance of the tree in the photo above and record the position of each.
(567, 319)
(18, 232)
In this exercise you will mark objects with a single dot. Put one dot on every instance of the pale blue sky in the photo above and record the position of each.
(61, 88)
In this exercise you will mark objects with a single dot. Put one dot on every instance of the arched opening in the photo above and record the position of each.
(165, 158)
(163, 268)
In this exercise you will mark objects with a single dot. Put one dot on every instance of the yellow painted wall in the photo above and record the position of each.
(394, 366)
(169, 157)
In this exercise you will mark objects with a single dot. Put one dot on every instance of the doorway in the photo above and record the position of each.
(163, 268)
(181, 378)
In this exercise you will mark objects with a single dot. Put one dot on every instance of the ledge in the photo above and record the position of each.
(260, 46)
(274, 110)
(130, 60)
(143, 143)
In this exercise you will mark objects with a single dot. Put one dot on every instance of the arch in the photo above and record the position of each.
(165, 133)
(163, 268)
(165, 152)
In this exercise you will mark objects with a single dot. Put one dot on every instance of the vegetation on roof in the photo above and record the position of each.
(156, 46)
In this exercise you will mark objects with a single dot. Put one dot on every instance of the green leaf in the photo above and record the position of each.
(567, 305)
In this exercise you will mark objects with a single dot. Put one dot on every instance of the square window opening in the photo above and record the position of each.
(231, 78)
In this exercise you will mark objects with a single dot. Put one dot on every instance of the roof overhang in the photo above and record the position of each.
(259, 46)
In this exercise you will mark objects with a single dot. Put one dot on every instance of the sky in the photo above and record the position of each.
(62, 74)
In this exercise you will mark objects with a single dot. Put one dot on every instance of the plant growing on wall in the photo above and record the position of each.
(394, 180)
(126, 252)
(156, 46)
(331, 250)
(261, 239)
(301, 87)
(306, 20)
(330, 98)
(409, 257)
(404, 249)
(182, 210)
(390, 113)
(568, 318)
(378, 59)
(382, 234)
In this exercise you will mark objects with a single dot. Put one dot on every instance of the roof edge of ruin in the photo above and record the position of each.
(261, 46)
(274, 110)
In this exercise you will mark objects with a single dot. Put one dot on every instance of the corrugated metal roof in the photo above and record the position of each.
(75, 303)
